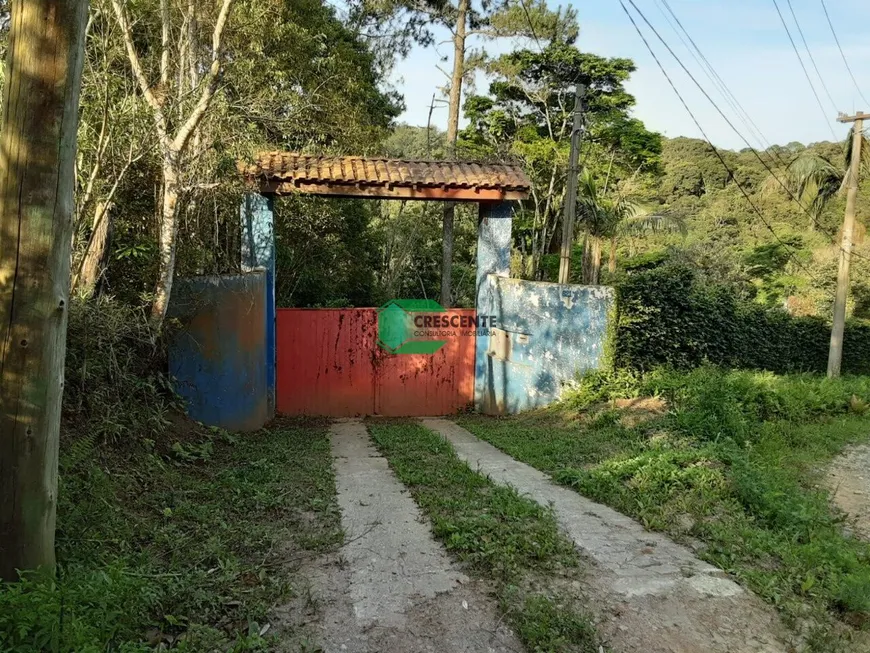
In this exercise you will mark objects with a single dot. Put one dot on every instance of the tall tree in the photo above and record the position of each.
(37, 147)
(459, 36)
(176, 119)
(528, 115)
(512, 19)
(602, 214)
(464, 20)
(110, 144)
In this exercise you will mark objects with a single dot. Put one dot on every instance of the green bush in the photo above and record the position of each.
(757, 396)
(114, 381)
(93, 606)
(600, 385)
(668, 316)
(710, 403)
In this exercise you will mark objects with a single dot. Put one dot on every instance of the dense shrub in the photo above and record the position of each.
(74, 614)
(667, 316)
(710, 403)
(114, 381)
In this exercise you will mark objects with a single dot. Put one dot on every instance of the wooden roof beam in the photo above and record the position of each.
(387, 192)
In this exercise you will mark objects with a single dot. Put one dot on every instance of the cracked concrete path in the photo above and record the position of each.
(652, 595)
(393, 587)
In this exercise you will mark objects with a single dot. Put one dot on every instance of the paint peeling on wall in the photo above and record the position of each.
(552, 333)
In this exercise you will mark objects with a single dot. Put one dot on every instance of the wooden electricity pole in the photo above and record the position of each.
(835, 354)
(571, 188)
(37, 176)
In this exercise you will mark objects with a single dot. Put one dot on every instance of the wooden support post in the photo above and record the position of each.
(37, 177)
(571, 188)
(835, 353)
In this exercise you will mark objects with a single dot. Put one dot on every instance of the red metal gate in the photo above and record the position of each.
(329, 363)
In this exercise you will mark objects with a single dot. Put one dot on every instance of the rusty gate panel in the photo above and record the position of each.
(329, 363)
(416, 385)
(324, 361)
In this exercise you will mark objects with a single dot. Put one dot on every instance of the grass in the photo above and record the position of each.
(733, 470)
(190, 542)
(502, 537)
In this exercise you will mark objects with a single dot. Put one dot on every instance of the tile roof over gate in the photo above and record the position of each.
(352, 176)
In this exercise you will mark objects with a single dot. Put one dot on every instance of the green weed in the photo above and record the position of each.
(156, 545)
(544, 625)
(732, 468)
(502, 536)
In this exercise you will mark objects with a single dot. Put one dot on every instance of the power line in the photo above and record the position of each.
(769, 150)
(714, 77)
(721, 113)
(842, 54)
(732, 100)
(755, 153)
(804, 68)
(788, 248)
(531, 24)
(810, 53)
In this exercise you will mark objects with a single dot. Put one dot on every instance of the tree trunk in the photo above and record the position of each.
(455, 99)
(586, 262)
(611, 256)
(596, 260)
(193, 62)
(172, 147)
(97, 254)
(447, 256)
(591, 267)
(38, 145)
(168, 233)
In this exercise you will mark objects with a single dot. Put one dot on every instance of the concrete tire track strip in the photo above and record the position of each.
(395, 588)
(650, 594)
(848, 480)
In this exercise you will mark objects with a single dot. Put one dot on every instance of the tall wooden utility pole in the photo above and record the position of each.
(571, 188)
(37, 175)
(835, 354)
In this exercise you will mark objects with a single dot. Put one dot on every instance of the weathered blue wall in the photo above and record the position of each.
(546, 334)
(217, 353)
(493, 258)
(258, 253)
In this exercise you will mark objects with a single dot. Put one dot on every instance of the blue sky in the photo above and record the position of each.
(744, 41)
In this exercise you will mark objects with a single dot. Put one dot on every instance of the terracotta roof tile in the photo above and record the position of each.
(357, 171)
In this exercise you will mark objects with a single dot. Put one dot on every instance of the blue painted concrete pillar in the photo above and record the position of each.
(217, 355)
(493, 243)
(493, 258)
(258, 253)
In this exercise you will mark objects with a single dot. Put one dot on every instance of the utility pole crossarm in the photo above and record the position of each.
(858, 116)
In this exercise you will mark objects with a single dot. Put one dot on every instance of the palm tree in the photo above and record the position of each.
(603, 216)
(644, 222)
(814, 179)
